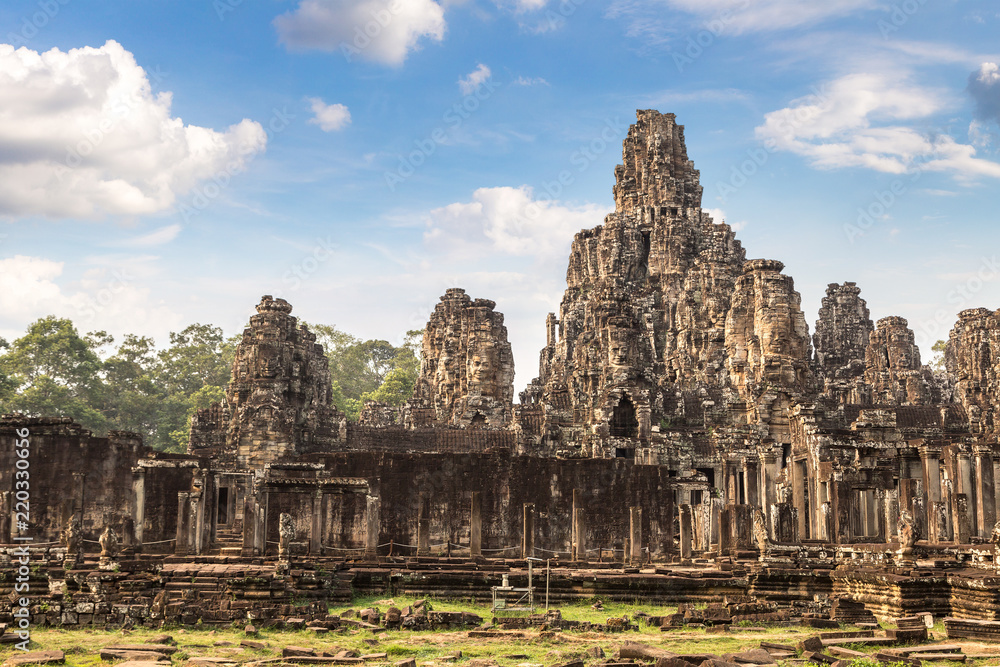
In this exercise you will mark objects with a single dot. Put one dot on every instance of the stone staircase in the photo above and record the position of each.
(228, 542)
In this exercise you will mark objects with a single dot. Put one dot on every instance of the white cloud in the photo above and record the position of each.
(329, 117)
(512, 221)
(383, 31)
(158, 237)
(82, 135)
(529, 81)
(529, 5)
(474, 79)
(109, 299)
(859, 120)
(984, 86)
(767, 15)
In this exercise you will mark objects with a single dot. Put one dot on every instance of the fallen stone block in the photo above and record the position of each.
(35, 658)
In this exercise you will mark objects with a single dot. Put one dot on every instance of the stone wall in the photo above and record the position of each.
(71, 473)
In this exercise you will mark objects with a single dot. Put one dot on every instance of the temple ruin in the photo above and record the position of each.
(684, 420)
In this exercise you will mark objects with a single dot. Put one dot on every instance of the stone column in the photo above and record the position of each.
(715, 522)
(964, 485)
(963, 525)
(930, 457)
(574, 532)
(249, 526)
(423, 527)
(373, 508)
(139, 504)
(799, 495)
(751, 477)
(316, 530)
(260, 532)
(528, 532)
(6, 514)
(580, 547)
(986, 516)
(476, 525)
(769, 472)
(183, 524)
(732, 483)
(686, 530)
(635, 533)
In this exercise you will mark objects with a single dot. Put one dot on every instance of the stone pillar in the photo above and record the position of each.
(476, 525)
(635, 534)
(930, 457)
(423, 527)
(751, 477)
(986, 516)
(891, 515)
(580, 530)
(799, 494)
(963, 525)
(528, 532)
(964, 485)
(249, 526)
(732, 482)
(183, 524)
(686, 530)
(316, 530)
(6, 514)
(769, 472)
(574, 537)
(715, 523)
(260, 532)
(373, 508)
(139, 504)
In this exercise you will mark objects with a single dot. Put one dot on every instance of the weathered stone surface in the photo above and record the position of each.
(972, 356)
(767, 345)
(35, 658)
(467, 370)
(278, 402)
(892, 366)
(641, 324)
(843, 331)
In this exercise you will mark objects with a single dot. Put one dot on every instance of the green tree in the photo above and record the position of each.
(937, 361)
(132, 399)
(197, 366)
(53, 371)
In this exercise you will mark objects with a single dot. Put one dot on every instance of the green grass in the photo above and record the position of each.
(82, 646)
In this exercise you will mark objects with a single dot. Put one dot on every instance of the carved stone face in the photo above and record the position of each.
(482, 367)
(268, 365)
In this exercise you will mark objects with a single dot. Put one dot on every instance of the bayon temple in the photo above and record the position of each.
(686, 437)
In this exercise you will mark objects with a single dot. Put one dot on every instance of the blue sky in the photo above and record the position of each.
(163, 163)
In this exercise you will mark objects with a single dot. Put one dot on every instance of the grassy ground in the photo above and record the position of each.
(430, 647)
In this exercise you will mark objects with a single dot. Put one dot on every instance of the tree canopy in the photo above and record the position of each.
(53, 370)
